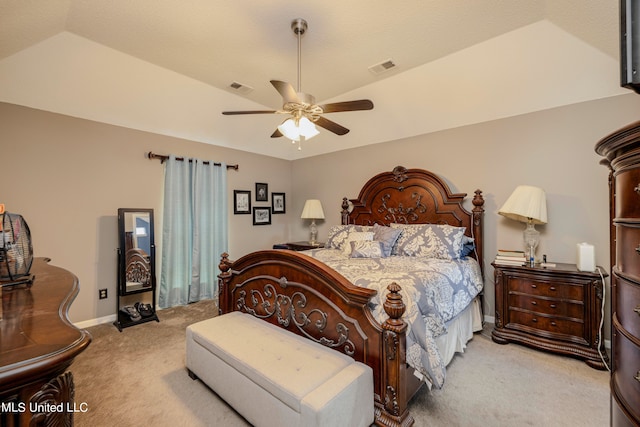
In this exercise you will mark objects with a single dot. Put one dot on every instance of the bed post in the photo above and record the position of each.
(223, 282)
(393, 410)
(478, 214)
(345, 211)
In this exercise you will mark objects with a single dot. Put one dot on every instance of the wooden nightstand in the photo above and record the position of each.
(299, 246)
(554, 309)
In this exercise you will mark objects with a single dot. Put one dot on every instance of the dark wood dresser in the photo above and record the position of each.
(621, 152)
(557, 309)
(37, 345)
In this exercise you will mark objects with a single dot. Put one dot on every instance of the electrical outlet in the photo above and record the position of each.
(102, 293)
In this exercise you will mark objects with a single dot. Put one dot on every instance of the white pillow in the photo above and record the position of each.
(355, 236)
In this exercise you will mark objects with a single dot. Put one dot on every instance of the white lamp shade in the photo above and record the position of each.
(312, 210)
(307, 128)
(526, 202)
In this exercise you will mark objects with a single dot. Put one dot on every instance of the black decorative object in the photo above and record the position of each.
(262, 192)
(261, 216)
(16, 250)
(278, 205)
(241, 202)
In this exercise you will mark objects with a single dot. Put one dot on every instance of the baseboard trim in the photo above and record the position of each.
(95, 322)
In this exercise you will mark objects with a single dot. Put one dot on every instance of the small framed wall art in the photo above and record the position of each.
(278, 203)
(241, 202)
(261, 216)
(262, 192)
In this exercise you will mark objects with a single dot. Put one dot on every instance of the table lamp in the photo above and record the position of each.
(313, 210)
(527, 204)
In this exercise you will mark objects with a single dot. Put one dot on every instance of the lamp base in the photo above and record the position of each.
(531, 238)
(314, 232)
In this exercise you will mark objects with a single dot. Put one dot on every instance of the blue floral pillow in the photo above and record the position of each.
(387, 236)
(366, 249)
(430, 240)
(338, 235)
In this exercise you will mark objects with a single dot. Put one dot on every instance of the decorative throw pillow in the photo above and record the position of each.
(430, 240)
(366, 249)
(468, 246)
(387, 236)
(338, 234)
(356, 236)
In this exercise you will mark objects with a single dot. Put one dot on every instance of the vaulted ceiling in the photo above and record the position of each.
(167, 66)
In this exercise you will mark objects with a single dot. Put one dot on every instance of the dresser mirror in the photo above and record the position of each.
(136, 254)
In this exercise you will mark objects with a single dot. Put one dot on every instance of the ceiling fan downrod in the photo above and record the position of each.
(299, 27)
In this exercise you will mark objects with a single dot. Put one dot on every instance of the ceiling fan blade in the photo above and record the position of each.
(336, 107)
(233, 113)
(287, 91)
(276, 134)
(331, 126)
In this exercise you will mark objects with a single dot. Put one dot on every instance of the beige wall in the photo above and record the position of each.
(69, 176)
(553, 149)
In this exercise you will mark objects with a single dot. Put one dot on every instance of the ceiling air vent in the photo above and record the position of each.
(382, 67)
(239, 87)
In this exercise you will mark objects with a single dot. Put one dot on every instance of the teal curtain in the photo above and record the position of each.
(194, 231)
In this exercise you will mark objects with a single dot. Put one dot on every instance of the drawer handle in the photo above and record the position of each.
(534, 303)
(638, 250)
(637, 377)
(535, 286)
(553, 323)
(534, 320)
(637, 189)
(637, 310)
(552, 306)
(553, 288)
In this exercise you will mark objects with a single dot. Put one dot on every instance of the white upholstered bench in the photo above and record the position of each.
(274, 377)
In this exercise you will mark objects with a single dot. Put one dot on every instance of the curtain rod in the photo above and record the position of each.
(162, 159)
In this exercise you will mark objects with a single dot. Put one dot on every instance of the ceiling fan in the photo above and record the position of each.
(301, 107)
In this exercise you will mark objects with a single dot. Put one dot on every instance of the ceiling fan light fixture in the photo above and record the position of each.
(292, 130)
(304, 113)
(307, 128)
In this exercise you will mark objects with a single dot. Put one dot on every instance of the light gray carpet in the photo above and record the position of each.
(137, 378)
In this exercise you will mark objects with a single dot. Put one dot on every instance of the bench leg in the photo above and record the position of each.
(192, 375)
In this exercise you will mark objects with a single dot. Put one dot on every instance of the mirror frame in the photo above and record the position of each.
(122, 252)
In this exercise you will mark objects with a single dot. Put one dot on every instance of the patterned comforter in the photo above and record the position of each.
(439, 290)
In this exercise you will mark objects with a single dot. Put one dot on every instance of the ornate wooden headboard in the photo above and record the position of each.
(415, 196)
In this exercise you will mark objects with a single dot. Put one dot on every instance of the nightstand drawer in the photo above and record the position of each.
(550, 306)
(537, 287)
(546, 324)
(628, 249)
(627, 295)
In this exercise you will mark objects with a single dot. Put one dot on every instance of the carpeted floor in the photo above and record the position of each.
(137, 377)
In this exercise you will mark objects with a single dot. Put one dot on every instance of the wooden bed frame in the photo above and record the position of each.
(303, 295)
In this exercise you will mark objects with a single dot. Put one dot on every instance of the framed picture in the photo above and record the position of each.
(261, 216)
(241, 202)
(277, 203)
(262, 192)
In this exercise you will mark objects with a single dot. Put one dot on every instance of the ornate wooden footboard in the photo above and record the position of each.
(298, 293)
(303, 295)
